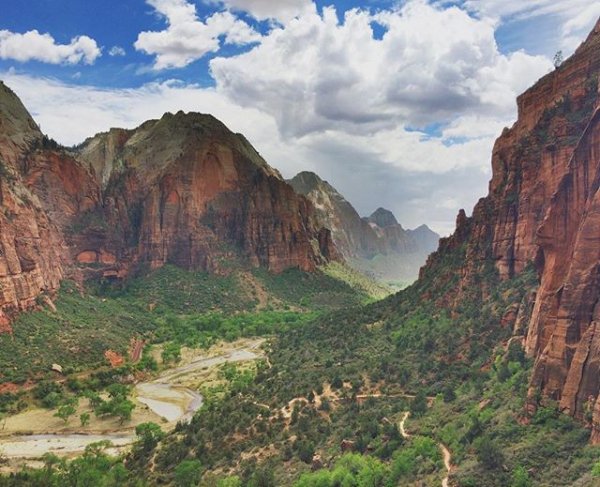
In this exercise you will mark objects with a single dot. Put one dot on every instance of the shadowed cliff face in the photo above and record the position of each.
(543, 208)
(186, 190)
(182, 190)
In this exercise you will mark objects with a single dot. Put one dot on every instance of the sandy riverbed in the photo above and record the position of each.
(169, 398)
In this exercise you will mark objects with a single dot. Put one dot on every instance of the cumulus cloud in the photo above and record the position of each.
(430, 66)
(116, 51)
(576, 17)
(187, 38)
(577, 27)
(33, 46)
(404, 167)
(280, 10)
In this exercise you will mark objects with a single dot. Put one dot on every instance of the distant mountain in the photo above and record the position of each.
(377, 244)
(353, 237)
(427, 240)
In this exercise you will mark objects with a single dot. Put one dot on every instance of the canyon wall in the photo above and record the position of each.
(543, 210)
(182, 190)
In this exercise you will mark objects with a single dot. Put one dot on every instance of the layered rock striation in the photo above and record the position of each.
(183, 190)
(543, 209)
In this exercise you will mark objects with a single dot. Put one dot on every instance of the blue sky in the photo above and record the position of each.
(395, 103)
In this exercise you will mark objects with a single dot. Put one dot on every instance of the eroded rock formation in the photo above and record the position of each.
(543, 208)
(183, 190)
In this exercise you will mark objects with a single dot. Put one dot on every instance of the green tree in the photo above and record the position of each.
(488, 453)
(234, 481)
(84, 418)
(149, 434)
(188, 473)
(65, 412)
(123, 409)
(419, 404)
(117, 391)
(558, 59)
(520, 478)
(171, 353)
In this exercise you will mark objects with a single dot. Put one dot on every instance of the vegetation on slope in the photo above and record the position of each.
(167, 305)
(336, 385)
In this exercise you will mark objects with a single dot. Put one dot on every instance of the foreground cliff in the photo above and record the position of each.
(33, 252)
(376, 245)
(183, 190)
(542, 210)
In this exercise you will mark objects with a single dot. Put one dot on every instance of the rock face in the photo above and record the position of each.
(188, 191)
(183, 190)
(32, 249)
(376, 244)
(544, 208)
(392, 237)
(353, 236)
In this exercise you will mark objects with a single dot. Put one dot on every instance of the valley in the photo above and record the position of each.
(174, 312)
(167, 399)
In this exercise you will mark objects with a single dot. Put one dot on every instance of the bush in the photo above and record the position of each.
(188, 473)
(488, 453)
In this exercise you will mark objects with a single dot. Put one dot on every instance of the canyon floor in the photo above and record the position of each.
(171, 397)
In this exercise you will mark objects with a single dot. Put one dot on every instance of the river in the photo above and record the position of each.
(166, 396)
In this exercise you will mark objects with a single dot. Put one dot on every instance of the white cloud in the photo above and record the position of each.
(33, 46)
(187, 38)
(431, 66)
(116, 51)
(281, 10)
(576, 28)
(519, 9)
(575, 18)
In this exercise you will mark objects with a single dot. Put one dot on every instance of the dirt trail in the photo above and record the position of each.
(445, 452)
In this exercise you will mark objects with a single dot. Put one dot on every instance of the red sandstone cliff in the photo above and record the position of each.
(183, 190)
(186, 190)
(544, 207)
(32, 250)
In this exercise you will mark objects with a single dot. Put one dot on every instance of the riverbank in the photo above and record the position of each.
(167, 399)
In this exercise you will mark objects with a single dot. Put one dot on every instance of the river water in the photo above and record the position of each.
(165, 396)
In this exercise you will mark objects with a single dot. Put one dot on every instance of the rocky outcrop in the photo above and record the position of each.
(543, 208)
(377, 244)
(183, 190)
(563, 332)
(32, 250)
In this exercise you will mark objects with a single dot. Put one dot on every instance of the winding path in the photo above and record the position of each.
(445, 452)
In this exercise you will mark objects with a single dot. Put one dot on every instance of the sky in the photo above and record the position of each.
(395, 103)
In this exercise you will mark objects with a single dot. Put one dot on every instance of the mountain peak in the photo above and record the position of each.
(307, 179)
(16, 124)
(383, 218)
